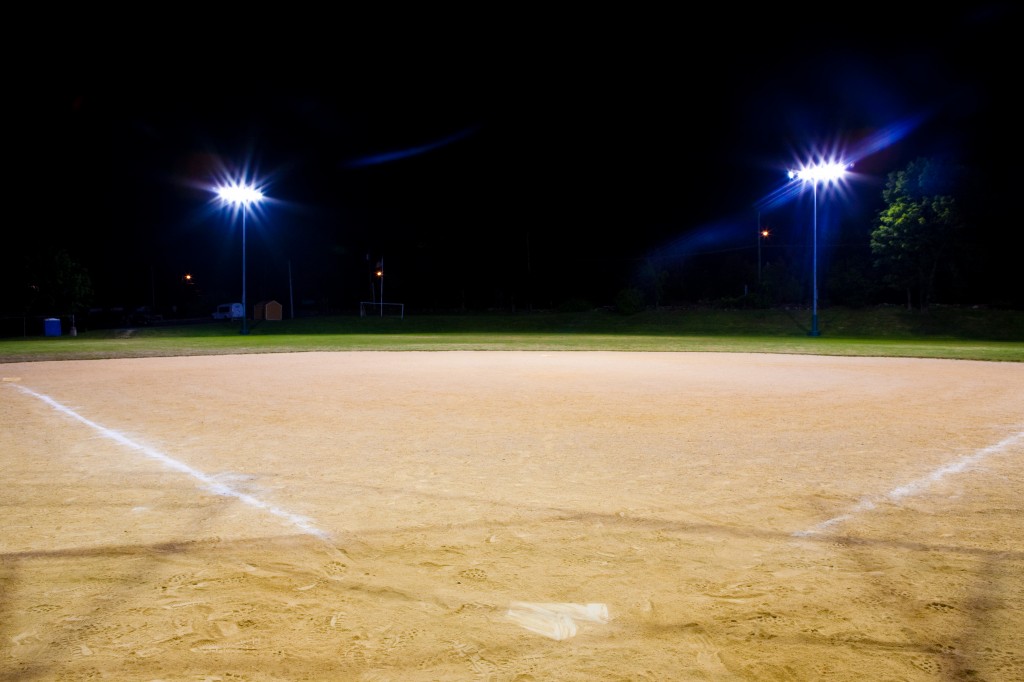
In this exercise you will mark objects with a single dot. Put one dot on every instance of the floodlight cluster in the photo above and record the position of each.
(823, 172)
(239, 194)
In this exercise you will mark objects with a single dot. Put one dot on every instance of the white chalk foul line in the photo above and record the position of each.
(921, 484)
(211, 484)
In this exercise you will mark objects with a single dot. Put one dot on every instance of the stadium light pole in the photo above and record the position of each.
(828, 172)
(238, 194)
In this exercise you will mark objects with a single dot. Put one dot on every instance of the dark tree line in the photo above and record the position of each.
(929, 243)
(47, 282)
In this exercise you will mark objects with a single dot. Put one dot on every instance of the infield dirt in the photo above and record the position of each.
(512, 516)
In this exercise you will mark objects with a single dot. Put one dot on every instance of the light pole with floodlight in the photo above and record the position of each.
(238, 194)
(823, 172)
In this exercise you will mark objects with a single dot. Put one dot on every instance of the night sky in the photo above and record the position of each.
(560, 151)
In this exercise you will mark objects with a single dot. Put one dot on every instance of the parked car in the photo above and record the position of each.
(144, 315)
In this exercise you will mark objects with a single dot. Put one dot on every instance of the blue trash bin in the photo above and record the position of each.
(51, 325)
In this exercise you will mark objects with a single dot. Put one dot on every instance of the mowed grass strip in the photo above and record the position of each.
(962, 333)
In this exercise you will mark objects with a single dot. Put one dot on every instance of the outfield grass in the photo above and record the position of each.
(942, 332)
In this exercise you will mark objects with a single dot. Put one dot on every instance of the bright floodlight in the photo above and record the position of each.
(240, 194)
(825, 172)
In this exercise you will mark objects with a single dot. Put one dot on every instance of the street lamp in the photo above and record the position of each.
(816, 173)
(762, 234)
(238, 194)
(380, 276)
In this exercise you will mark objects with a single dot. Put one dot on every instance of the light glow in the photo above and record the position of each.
(239, 194)
(817, 173)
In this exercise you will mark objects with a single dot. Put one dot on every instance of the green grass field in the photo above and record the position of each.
(941, 332)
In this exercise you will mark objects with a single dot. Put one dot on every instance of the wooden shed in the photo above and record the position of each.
(267, 310)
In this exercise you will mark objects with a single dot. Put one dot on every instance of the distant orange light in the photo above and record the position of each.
(764, 233)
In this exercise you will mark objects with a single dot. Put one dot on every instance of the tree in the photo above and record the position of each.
(654, 278)
(61, 285)
(919, 227)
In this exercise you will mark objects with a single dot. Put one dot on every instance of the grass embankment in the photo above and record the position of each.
(942, 332)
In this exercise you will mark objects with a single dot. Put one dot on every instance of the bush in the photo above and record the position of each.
(629, 301)
(575, 305)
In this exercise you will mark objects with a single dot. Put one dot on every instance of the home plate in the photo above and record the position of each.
(555, 620)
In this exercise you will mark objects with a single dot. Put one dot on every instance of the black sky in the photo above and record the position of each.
(490, 145)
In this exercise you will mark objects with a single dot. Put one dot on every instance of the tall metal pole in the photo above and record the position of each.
(291, 292)
(814, 267)
(245, 310)
(758, 247)
(236, 194)
(822, 172)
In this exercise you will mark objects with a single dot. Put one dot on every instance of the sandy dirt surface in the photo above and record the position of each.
(512, 516)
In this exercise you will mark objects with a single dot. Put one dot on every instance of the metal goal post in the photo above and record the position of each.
(377, 309)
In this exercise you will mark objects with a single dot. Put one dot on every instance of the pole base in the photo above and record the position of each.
(814, 325)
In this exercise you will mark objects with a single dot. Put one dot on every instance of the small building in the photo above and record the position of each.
(267, 310)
